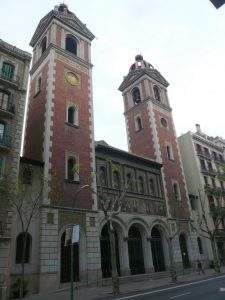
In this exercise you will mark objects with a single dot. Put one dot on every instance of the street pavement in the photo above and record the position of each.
(190, 286)
(207, 289)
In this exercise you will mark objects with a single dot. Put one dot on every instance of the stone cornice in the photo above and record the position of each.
(62, 52)
(20, 54)
(207, 142)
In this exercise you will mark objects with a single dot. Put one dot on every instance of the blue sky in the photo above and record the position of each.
(183, 39)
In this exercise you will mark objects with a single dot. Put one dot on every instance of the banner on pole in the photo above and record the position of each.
(76, 234)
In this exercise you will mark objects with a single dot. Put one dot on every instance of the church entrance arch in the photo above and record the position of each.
(184, 251)
(65, 261)
(106, 265)
(157, 250)
(135, 250)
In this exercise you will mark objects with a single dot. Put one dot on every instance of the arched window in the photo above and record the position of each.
(176, 191)
(200, 248)
(138, 123)
(71, 115)
(38, 85)
(116, 180)
(156, 93)
(152, 187)
(71, 44)
(129, 182)
(23, 239)
(71, 166)
(141, 185)
(103, 176)
(136, 95)
(43, 45)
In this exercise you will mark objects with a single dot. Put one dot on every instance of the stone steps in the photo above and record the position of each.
(136, 278)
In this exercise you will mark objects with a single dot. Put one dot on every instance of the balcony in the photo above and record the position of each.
(218, 159)
(210, 172)
(5, 141)
(203, 154)
(9, 78)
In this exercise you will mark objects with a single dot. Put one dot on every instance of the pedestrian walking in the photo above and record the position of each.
(200, 268)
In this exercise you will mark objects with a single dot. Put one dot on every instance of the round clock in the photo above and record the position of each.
(72, 78)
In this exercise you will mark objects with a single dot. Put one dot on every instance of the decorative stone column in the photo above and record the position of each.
(124, 257)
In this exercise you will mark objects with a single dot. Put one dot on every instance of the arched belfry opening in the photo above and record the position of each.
(135, 249)
(157, 249)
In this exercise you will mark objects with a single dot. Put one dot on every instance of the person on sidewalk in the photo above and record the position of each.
(200, 268)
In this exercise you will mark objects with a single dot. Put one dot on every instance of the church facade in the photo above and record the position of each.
(59, 146)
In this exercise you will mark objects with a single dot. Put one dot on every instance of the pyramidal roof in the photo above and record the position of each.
(140, 68)
(63, 14)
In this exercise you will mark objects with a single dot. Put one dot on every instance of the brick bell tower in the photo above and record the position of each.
(59, 132)
(150, 128)
(59, 128)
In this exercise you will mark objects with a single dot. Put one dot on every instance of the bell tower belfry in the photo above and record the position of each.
(150, 127)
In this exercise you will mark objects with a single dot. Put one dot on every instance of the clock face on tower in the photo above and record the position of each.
(72, 79)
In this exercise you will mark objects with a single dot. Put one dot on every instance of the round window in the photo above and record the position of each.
(163, 122)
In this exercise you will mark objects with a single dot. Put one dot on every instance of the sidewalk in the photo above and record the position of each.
(94, 293)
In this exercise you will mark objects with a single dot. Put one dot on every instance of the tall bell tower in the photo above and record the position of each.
(150, 127)
(59, 127)
(60, 133)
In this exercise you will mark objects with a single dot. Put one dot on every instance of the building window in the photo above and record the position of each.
(169, 152)
(200, 248)
(72, 174)
(152, 188)
(206, 150)
(129, 182)
(211, 200)
(5, 101)
(43, 45)
(193, 201)
(116, 179)
(141, 188)
(164, 122)
(23, 239)
(8, 70)
(2, 132)
(71, 44)
(176, 191)
(206, 180)
(71, 114)
(213, 182)
(38, 85)
(156, 93)
(136, 95)
(138, 123)
(210, 166)
(198, 148)
(27, 175)
(202, 163)
(103, 176)
(2, 164)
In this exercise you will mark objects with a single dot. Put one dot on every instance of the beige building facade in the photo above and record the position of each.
(14, 70)
(203, 159)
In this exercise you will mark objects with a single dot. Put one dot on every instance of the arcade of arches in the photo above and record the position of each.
(138, 253)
